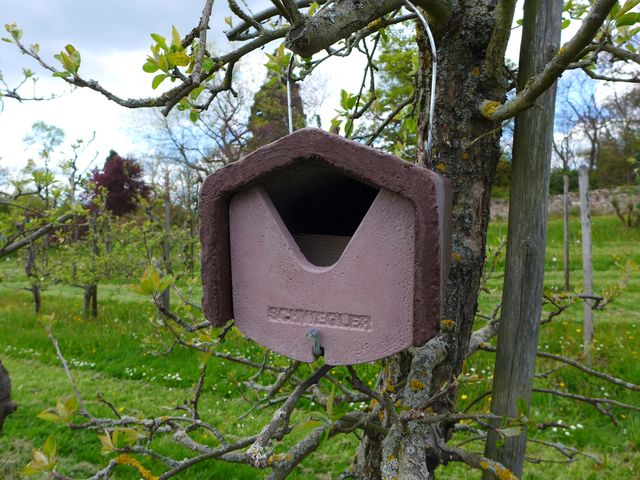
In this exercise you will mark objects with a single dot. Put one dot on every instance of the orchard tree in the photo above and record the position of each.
(34, 198)
(412, 412)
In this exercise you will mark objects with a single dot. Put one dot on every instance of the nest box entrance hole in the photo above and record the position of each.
(321, 206)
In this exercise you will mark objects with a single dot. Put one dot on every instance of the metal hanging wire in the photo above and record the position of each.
(434, 76)
(289, 109)
(434, 73)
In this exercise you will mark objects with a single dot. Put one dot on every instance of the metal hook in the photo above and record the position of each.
(317, 349)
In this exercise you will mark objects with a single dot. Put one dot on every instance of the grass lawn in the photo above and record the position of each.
(114, 355)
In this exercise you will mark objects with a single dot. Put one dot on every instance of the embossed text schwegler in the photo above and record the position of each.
(299, 316)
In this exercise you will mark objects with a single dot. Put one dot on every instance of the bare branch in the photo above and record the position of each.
(257, 453)
(54, 341)
(497, 47)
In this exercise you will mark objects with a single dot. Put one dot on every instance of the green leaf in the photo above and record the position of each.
(565, 23)
(124, 437)
(13, 29)
(71, 405)
(49, 447)
(162, 63)
(50, 416)
(176, 42)
(181, 59)
(628, 19)
(160, 40)
(313, 8)
(384, 35)
(344, 99)
(614, 10)
(348, 127)
(628, 5)
(183, 104)
(157, 80)
(165, 282)
(43, 460)
(352, 101)
(149, 282)
(107, 444)
(195, 93)
(207, 64)
(194, 115)
(150, 67)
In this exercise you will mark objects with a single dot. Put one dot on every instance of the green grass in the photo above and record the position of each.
(114, 355)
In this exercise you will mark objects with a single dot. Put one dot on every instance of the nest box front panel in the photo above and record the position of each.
(356, 291)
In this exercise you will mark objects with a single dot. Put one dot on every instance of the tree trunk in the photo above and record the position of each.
(466, 150)
(37, 298)
(90, 307)
(31, 270)
(526, 237)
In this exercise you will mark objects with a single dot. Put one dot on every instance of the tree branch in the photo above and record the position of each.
(537, 85)
(8, 249)
(341, 19)
(497, 47)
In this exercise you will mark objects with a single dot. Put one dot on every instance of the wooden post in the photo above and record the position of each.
(166, 245)
(526, 237)
(565, 212)
(587, 266)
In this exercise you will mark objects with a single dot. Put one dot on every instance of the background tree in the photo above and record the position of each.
(123, 183)
(268, 120)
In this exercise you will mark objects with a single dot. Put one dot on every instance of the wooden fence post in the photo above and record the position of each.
(566, 206)
(587, 266)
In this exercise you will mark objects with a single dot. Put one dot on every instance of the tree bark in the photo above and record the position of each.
(466, 150)
(526, 237)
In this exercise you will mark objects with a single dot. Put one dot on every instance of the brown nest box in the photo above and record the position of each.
(317, 244)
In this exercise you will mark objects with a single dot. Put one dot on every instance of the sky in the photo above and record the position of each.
(113, 39)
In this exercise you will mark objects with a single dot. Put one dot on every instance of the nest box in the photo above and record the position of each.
(315, 244)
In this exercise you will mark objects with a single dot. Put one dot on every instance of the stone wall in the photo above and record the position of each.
(600, 202)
